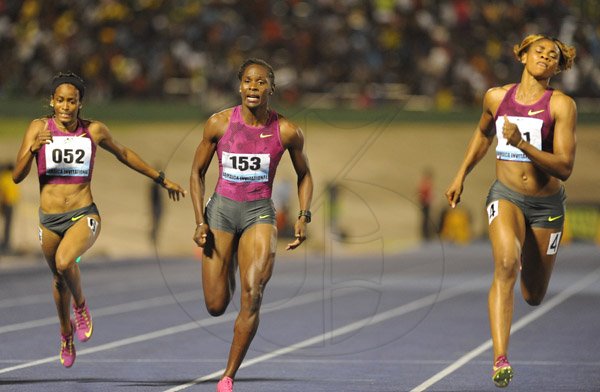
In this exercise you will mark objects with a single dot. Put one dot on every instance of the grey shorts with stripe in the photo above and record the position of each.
(234, 217)
(539, 211)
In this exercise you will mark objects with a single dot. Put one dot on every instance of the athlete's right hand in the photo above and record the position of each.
(453, 193)
(43, 137)
(201, 234)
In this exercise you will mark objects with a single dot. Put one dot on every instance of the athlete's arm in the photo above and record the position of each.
(478, 145)
(558, 163)
(213, 130)
(130, 158)
(36, 136)
(293, 139)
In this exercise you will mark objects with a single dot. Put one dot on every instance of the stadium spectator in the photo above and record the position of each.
(157, 48)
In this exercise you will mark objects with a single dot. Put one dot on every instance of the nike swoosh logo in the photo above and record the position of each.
(262, 135)
(76, 218)
(263, 216)
(553, 218)
(533, 113)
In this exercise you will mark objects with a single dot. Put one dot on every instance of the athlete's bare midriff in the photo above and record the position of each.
(525, 178)
(59, 198)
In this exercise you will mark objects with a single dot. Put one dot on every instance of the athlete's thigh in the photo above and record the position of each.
(506, 230)
(217, 261)
(256, 254)
(49, 241)
(78, 239)
(539, 254)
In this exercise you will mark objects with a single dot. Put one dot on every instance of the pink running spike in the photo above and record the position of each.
(225, 385)
(83, 322)
(502, 372)
(67, 348)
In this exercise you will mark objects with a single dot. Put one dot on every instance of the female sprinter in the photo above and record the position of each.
(64, 146)
(535, 127)
(249, 140)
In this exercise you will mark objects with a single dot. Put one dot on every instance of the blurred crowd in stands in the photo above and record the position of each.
(449, 50)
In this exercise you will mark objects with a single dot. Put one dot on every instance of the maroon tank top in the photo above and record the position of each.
(534, 121)
(69, 159)
(248, 158)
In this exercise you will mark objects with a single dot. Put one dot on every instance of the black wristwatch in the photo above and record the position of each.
(306, 214)
(161, 178)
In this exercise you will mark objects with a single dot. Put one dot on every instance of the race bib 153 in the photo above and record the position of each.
(245, 167)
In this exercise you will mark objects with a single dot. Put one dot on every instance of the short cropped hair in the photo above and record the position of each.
(255, 61)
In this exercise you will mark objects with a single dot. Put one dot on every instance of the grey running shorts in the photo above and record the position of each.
(234, 216)
(60, 223)
(539, 211)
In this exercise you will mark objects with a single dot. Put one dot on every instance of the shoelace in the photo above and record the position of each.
(81, 318)
(501, 362)
(67, 343)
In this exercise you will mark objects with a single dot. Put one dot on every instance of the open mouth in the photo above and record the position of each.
(253, 98)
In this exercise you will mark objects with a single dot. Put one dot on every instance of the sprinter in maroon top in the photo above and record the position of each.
(535, 128)
(65, 148)
(249, 141)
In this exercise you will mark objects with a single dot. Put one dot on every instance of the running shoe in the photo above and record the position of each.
(83, 322)
(503, 372)
(67, 348)
(225, 385)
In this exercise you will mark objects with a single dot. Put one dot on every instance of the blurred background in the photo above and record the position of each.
(356, 52)
(386, 91)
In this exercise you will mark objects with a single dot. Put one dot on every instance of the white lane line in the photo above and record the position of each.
(93, 288)
(524, 321)
(111, 310)
(365, 322)
(277, 305)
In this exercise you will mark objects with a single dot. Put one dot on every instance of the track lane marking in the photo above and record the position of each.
(111, 310)
(553, 302)
(277, 305)
(365, 322)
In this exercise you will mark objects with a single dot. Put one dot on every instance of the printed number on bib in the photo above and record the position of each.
(492, 210)
(92, 224)
(246, 167)
(68, 156)
(531, 132)
(553, 243)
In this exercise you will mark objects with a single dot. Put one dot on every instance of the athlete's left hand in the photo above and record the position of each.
(174, 189)
(299, 234)
(511, 133)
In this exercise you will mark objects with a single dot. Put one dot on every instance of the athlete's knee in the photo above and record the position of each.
(506, 268)
(252, 298)
(534, 301)
(63, 263)
(216, 306)
(534, 297)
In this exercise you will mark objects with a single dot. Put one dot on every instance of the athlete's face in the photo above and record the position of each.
(255, 86)
(542, 58)
(66, 104)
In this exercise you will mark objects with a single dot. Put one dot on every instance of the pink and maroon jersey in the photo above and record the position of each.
(248, 158)
(534, 121)
(69, 159)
